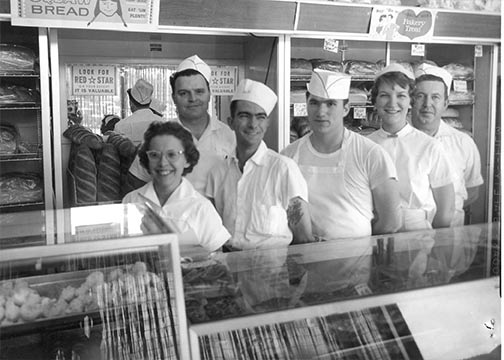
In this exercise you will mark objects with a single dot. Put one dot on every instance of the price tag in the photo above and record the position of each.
(460, 86)
(331, 45)
(300, 109)
(478, 50)
(359, 113)
(97, 231)
(417, 49)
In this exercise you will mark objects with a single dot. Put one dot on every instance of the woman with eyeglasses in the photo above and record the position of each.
(168, 153)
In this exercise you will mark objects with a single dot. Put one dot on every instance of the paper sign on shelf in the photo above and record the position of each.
(417, 50)
(93, 80)
(331, 45)
(402, 24)
(359, 113)
(97, 231)
(478, 50)
(460, 86)
(125, 15)
(300, 109)
(224, 80)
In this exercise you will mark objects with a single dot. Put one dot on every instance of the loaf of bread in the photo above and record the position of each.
(300, 66)
(18, 188)
(84, 173)
(361, 67)
(16, 58)
(109, 174)
(79, 134)
(327, 65)
(17, 95)
(9, 139)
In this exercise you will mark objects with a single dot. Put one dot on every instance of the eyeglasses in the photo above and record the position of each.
(171, 155)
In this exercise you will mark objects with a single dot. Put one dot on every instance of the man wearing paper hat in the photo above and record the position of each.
(349, 177)
(424, 176)
(134, 126)
(260, 194)
(430, 102)
(158, 107)
(190, 84)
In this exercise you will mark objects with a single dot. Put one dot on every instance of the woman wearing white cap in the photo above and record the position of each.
(260, 194)
(425, 180)
(351, 180)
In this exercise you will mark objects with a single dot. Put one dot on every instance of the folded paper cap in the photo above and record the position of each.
(157, 106)
(195, 63)
(141, 92)
(329, 84)
(394, 67)
(427, 69)
(256, 92)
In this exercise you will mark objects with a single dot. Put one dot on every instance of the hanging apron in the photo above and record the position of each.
(332, 211)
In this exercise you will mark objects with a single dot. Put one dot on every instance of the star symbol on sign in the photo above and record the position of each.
(92, 80)
(215, 81)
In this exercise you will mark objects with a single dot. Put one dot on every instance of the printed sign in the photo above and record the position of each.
(478, 50)
(417, 49)
(93, 80)
(87, 14)
(331, 45)
(97, 231)
(460, 86)
(359, 113)
(300, 109)
(224, 80)
(402, 24)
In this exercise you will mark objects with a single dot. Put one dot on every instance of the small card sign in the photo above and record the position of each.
(417, 50)
(300, 109)
(478, 50)
(331, 45)
(97, 231)
(460, 86)
(359, 113)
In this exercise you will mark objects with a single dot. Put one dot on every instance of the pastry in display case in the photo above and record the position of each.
(381, 297)
(115, 298)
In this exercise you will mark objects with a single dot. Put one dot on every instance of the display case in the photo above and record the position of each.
(418, 295)
(118, 298)
(25, 139)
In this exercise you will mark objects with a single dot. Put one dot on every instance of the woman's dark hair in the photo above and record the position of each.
(158, 128)
(186, 72)
(392, 78)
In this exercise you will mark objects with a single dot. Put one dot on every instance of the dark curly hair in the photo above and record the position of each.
(391, 78)
(187, 72)
(157, 128)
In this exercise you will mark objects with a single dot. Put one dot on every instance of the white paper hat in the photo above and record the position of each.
(256, 92)
(427, 69)
(195, 63)
(329, 84)
(395, 67)
(142, 92)
(157, 106)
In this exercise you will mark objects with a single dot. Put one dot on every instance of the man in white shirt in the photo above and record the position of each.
(214, 139)
(260, 194)
(134, 126)
(351, 180)
(430, 101)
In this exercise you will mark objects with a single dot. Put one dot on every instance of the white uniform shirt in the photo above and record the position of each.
(340, 184)
(253, 204)
(134, 126)
(421, 166)
(217, 142)
(188, 212)
(465, 160)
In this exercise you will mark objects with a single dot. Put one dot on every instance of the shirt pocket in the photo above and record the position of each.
(269, 220)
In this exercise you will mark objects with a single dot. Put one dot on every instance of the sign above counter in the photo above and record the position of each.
(129, 15)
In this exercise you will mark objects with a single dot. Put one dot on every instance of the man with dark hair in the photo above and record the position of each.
(190, 85)
(134, 126)
(430, 101)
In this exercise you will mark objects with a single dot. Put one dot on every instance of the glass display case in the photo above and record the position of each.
(109, 293)
(418, 295)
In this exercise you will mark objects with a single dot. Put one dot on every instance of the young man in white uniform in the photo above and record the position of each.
(260, 194)
(214, 139)
(430, 100)
(351, 180)
(134, 126)
(424, 177)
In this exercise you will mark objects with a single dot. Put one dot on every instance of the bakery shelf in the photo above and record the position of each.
(31, 106)
(17, 74)
(460, 102)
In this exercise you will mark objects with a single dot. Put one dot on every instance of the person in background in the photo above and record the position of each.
(157, 107)
(134, 126)
(430, 101)
(352, 182)
(425, 181)
(260, 194)
(190, 85)
(108, 123)
(168, 153)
